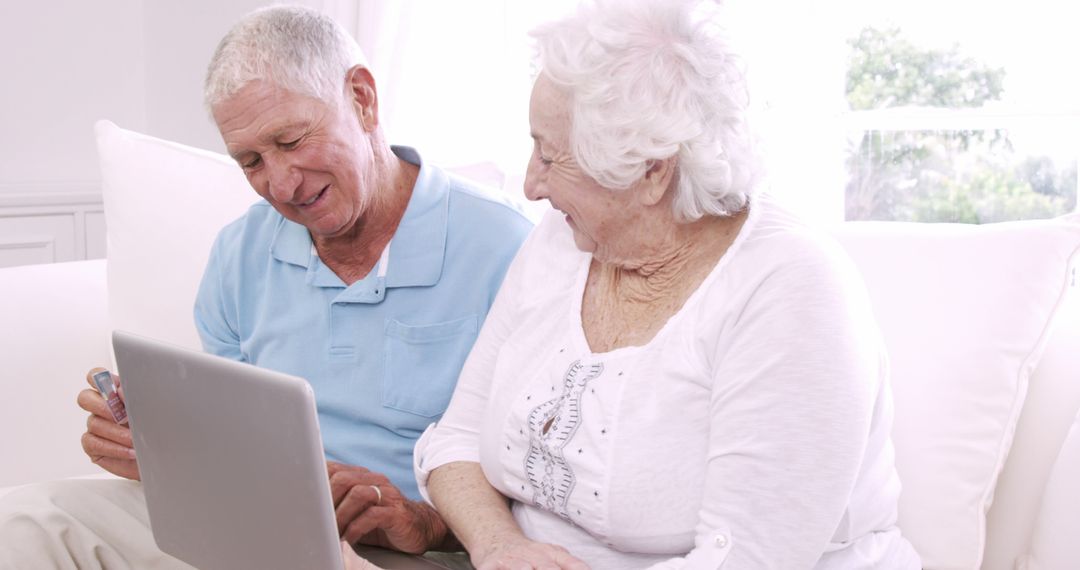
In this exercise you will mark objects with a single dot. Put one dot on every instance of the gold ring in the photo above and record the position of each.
(378, 494)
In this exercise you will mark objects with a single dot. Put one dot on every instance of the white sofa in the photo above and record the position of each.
(982, 323)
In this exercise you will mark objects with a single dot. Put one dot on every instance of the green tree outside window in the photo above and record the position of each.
(970, 176)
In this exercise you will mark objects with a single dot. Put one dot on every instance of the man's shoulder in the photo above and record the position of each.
(257, 215)
(487, 211)
(485, 200)
(259, 222)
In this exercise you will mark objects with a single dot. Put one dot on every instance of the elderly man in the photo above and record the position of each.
(365, 270)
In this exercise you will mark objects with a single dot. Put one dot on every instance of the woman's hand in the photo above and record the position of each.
(481, 519)
(520, 553)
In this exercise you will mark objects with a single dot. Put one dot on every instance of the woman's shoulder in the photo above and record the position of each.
(779, 238)
(778, 251)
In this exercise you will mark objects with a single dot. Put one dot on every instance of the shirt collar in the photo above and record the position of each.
(418, 247)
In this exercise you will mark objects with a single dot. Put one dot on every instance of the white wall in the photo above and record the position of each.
(140, 63)
(180, 39)
(66, 63)
(796, 74)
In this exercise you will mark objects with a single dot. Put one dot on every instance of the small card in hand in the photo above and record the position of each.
(104, 382)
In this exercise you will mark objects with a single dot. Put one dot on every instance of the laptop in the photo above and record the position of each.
(232, 462)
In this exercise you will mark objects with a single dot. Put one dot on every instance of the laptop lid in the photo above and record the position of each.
(230, 457)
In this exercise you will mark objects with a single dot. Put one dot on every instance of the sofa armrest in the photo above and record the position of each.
(55, 327)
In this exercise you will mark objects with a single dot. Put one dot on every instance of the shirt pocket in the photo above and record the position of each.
(423, 363)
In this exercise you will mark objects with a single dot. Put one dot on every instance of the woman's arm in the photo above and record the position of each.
(481, 519)
(797, 387)
(447, 455)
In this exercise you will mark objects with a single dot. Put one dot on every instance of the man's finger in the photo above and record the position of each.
(354, 504)
(340, 484)
(367, 522)
(91, 401)
(343, 481)
(97, 447)
(332, 467)
(110, 430)
(125, 468)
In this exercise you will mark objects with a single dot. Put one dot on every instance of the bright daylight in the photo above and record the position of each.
(540, 284)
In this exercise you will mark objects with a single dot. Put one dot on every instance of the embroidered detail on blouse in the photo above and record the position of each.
(551, 426)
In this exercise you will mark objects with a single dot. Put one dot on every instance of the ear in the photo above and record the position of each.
(360, 91)
(657, 180)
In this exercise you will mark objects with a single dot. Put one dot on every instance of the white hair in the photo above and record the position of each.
(296, 48)
(649, 80)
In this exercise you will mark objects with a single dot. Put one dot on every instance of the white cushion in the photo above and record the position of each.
(965, 312)
(1055, 543)
(164, 205)
(53, 330)
(1051, 405)
(98, 474)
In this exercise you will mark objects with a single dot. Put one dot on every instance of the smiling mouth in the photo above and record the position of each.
(314, 198)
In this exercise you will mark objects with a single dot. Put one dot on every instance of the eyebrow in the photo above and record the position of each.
(242, 156)
(270, 137)
(274, 135)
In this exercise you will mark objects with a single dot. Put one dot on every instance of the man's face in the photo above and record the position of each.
(309, 158)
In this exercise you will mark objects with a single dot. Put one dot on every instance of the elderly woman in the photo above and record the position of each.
(676, 373)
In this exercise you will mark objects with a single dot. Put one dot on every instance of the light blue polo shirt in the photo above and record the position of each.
(383, 354)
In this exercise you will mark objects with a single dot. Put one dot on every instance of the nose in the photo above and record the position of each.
(282, 180)
(535, 189)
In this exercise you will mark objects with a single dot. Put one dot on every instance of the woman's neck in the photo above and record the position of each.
(670, 258)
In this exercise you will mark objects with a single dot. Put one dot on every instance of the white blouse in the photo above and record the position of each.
(751, 432)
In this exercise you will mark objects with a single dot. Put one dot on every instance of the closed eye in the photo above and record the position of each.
(254, 162)
(539, 155)
(289, 145)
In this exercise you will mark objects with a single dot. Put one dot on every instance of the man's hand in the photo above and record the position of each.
(106, 442)
(371, 510)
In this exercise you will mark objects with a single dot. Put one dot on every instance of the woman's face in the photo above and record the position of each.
(594, 213)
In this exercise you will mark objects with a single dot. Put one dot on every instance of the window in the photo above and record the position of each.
(925, 110)
(958, 112)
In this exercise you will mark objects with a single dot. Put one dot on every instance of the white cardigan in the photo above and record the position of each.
(751, 432)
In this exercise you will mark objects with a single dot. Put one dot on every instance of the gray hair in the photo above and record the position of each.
(649, 80)
(296, 48)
